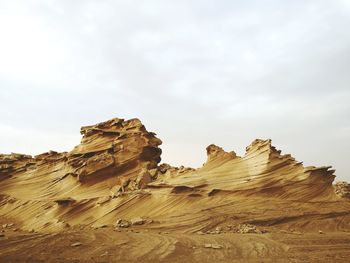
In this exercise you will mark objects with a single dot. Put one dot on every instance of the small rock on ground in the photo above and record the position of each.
(214, 246)
(76, 244)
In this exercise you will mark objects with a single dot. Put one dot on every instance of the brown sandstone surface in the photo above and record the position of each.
(109, 200)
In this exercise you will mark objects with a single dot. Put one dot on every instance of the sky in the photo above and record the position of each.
(195, 72)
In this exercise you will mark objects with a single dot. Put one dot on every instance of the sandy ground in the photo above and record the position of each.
(139, 244)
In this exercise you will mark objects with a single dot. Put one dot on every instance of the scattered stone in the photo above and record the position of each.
(149, 221)
(76, 244)
(320, 231)
(2, 234)
(214, 246)
(246, 229)
(218, 230)
(200, 233)
(122, 223)
(137, 221)
(342, 189)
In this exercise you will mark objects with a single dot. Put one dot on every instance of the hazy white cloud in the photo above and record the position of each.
(196, 72)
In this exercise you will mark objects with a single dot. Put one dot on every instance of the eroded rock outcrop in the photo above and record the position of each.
(111, 147)
(262, 171)
(217, 153)
(11, 164)
(114, 173)
(107, 149)
(342, 189)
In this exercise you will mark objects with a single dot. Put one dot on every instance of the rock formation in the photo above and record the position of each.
(114, 173)
(262, 171)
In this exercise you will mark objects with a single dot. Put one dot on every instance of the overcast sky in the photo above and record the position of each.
(195, 72)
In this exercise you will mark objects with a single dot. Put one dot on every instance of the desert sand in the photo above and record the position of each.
(110, 200)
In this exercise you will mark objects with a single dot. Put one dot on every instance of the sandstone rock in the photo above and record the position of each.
(215, 152)
(149, 221)
(143, 179)
(164, 167)
(125, 182)
(119, 157)
(342, 189)
(116, 191)
(246, 229)
(76, 244)
(153, 173)
(137, 221)
(214, 246)
(257, 173)
(218, 229)
(106, 149)
(122, 223)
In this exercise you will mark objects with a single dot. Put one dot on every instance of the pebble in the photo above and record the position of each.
(76, 244)
(105, 254)
(214, 246)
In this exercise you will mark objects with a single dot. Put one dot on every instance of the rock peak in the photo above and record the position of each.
(215, 152)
